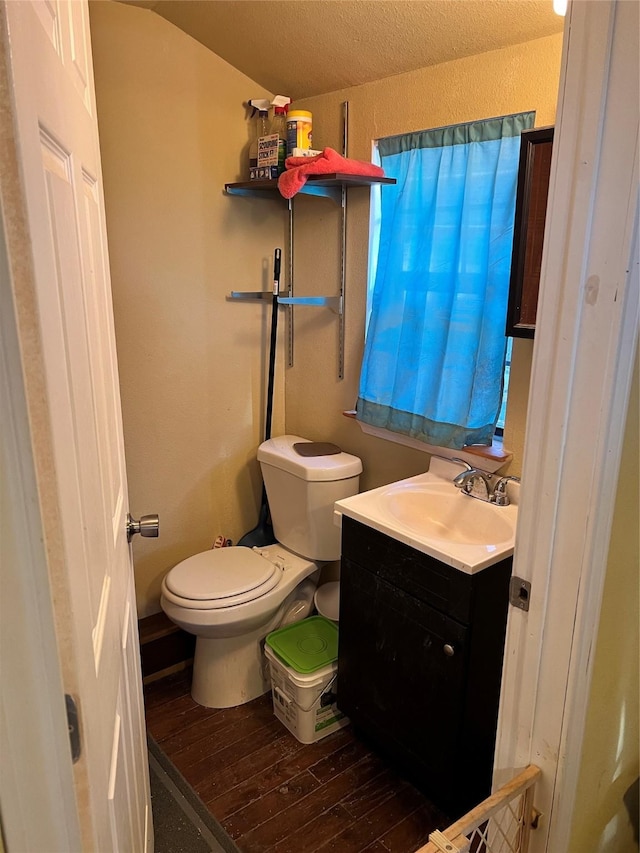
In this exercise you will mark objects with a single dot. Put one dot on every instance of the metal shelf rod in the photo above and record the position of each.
(332, 302)
(343, 247)
(251, 294)
(290, 286)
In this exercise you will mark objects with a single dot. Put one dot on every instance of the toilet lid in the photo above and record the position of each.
(223, 573)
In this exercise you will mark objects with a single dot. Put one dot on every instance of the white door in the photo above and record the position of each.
(51, 79)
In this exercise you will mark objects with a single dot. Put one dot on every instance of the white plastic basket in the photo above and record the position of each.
(298, 699)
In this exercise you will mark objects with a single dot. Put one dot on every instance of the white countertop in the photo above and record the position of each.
(375, 509)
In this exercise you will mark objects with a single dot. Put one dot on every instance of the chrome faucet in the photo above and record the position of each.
(474, 483)
(477, 484)
(500, 496)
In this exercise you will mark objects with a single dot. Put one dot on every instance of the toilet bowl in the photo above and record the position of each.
(231, 598)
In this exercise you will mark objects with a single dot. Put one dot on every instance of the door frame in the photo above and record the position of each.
(556, 481)
(586, 339)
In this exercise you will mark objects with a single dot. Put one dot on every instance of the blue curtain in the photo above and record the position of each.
(435, 347)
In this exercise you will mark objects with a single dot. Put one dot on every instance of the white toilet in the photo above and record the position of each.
(231, 598)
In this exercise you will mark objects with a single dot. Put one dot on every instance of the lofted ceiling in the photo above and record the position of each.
(302, 48)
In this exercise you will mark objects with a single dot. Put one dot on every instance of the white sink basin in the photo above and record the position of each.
(428, 513)
(434, 511)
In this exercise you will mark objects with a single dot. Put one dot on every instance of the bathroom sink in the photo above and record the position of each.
(433, 510)
(430, 514)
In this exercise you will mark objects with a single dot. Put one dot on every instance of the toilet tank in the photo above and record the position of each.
(302, 491)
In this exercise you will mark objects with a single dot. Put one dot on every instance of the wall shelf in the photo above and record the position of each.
(333, 186)
(327, 186)
(332, 302)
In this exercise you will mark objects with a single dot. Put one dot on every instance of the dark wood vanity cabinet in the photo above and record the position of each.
(420, 662)
(528, 231)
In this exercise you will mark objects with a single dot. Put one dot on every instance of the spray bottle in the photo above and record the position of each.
(280, 106)
(259, 127)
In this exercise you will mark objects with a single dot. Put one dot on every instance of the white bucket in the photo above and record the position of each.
(297, 699)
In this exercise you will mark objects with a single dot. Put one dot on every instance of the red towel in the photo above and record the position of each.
(298, 169)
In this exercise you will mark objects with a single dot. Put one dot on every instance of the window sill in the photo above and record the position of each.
(493, 457)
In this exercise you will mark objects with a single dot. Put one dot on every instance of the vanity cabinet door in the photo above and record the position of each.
(401, 674)
(419, 662)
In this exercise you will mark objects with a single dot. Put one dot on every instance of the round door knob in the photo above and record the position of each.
(449, 650)
(148, 525)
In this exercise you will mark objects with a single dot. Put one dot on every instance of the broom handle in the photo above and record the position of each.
(272, 345)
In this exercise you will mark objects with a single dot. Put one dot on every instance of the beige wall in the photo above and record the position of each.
(192, 363)
(611, 746)
(524, 77)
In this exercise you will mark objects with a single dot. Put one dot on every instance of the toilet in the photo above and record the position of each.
(231, 598)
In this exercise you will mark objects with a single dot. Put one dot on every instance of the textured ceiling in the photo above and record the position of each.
(307, 47)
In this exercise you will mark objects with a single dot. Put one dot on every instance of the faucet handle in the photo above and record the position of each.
(500, 496)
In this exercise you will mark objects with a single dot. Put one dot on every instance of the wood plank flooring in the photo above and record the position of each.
(273, 794)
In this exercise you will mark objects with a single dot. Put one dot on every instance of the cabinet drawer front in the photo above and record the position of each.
(424, 577)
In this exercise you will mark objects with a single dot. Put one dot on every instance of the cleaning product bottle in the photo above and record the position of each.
(279, 125)
(299, 131)
(260, 127)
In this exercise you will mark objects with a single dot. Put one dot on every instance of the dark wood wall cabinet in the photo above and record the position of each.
(531, 210)
(420, 662)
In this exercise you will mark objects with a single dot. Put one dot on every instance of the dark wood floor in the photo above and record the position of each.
(272, 793)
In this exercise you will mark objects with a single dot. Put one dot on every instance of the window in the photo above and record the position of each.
(440, 258)
(505, 388)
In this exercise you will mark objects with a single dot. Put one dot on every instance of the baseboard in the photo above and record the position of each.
(170, 670)
(163, 646)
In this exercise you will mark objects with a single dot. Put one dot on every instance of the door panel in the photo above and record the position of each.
(78, 63)
(96, 627)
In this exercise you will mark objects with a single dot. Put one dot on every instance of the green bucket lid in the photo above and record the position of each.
(306, 645)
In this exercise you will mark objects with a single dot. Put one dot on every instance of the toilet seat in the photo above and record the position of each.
(221, 578)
